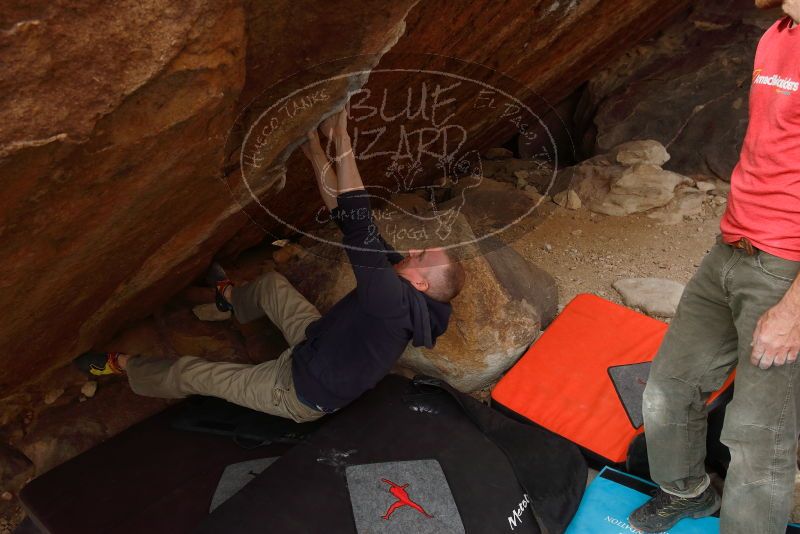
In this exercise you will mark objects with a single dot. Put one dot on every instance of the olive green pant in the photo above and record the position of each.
(267, 387)
(709, 336)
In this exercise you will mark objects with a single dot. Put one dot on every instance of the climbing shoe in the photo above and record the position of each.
(99, 363)
(217, 277)
(664, 510)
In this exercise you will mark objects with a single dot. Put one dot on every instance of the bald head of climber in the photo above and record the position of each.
(434, 272)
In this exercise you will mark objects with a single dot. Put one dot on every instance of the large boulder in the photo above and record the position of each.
(112, 193)
(497, 212)
(639, 188)
(629, 180)
(505, 303)
(686, 88)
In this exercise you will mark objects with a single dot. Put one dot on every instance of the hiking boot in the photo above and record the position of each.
(100, 363)
(217, 277)
(664, 510)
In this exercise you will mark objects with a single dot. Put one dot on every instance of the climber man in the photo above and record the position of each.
(332, 358)
(741, 309)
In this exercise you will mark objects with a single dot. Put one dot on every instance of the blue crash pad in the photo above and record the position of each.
(613, 495)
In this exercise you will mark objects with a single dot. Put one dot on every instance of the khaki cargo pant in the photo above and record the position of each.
(709, 336)
(267, 387)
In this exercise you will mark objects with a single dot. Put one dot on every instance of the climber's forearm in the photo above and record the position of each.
(323, 169)
(327, 181)
(346, 169)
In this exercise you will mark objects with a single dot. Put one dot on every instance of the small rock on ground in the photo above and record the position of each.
(89, 389)
(705, 187)
(654, 296)
(51, 396)
(568, 199)
(635, 152)
(209, 312)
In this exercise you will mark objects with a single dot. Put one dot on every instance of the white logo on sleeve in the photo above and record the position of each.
(782, 85)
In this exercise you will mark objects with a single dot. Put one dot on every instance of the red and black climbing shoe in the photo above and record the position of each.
(100, 363)
(664, 510)
(217, 277)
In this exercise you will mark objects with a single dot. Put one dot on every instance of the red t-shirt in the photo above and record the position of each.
(764, 202)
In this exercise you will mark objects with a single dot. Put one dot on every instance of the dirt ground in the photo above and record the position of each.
(586, 252)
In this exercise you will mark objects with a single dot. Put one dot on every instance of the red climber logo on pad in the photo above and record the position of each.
(403, 499)
(402, 496)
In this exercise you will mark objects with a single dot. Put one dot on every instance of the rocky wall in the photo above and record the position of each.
(118, 132)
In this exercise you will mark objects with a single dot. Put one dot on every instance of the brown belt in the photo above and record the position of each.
(746, 245)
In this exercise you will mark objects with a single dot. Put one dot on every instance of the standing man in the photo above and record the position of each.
(333, 358)
(741, 309)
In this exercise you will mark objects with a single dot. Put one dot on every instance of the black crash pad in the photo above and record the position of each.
(149, 478)
(306, 489)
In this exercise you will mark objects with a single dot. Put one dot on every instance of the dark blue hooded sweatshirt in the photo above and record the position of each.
(356, 343)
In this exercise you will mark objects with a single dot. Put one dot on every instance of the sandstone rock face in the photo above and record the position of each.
(112, 198)
(113, 194)
(103, 203)
(688, 89)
